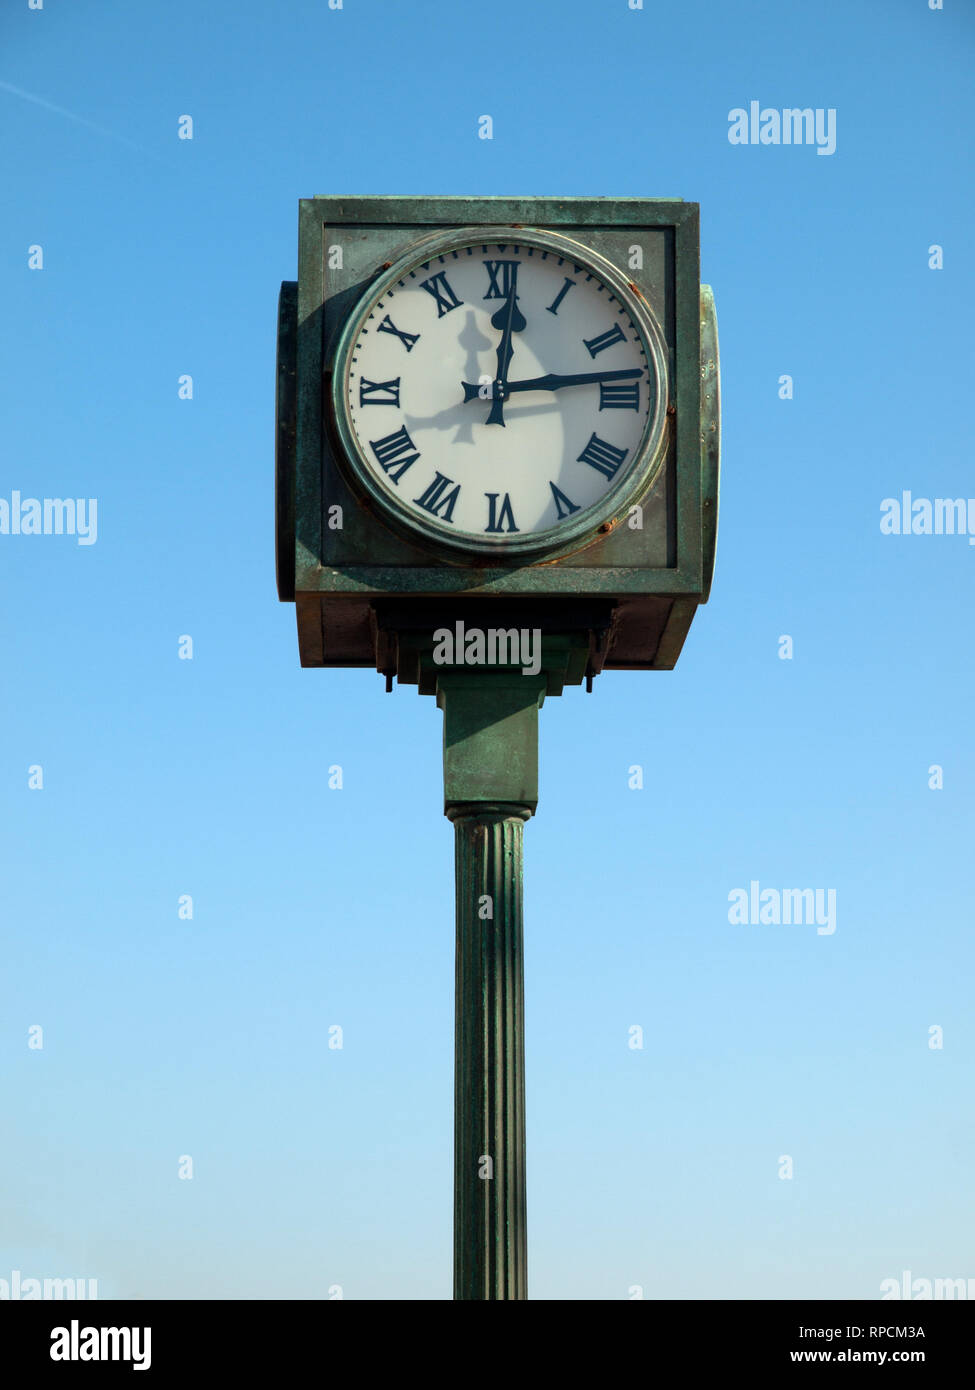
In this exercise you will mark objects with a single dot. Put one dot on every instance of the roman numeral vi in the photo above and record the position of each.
(497, 519)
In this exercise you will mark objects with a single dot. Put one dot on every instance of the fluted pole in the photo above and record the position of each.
(490, 1231)
(490, 790)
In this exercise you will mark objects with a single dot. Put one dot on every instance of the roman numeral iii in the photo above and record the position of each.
(621, 396)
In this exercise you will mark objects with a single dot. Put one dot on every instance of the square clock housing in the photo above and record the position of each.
(501, 411)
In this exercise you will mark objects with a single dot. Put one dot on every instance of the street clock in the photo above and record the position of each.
(496, 407)
(497, 475)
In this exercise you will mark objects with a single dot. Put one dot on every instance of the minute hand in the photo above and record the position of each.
(553, 382)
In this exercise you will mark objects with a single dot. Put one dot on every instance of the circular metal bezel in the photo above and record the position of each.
(574, 531)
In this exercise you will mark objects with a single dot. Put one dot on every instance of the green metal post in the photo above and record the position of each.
(490, 1235)
(490, 790)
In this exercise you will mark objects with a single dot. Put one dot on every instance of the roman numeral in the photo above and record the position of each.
(563, 506)
(497, 519)
(605, 340)
(379, 392)
(507, 273)
(605, 458)
(553, 308)
(437, 496)
(446, 299)
(390, 452)
(407, 339)
(619, 397)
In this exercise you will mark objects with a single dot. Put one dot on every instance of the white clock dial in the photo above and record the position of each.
(502, 394)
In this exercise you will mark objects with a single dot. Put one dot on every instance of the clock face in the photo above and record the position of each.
(501, 395)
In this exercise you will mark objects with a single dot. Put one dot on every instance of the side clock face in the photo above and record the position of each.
(501, 396)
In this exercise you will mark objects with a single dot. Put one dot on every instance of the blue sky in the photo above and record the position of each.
(315, 1168)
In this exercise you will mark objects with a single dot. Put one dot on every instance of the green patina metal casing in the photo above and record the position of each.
(359, 589)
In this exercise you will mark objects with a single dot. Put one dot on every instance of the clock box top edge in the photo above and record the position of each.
(527, 209)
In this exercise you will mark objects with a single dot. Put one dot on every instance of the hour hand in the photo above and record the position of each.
(508, 320)
(509, 317)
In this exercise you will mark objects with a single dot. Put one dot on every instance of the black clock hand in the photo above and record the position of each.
(509, 319)
(553, 382)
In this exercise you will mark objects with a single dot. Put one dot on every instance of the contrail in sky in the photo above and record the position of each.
(79, 120)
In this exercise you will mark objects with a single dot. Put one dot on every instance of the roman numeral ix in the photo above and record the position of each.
(379, 392)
